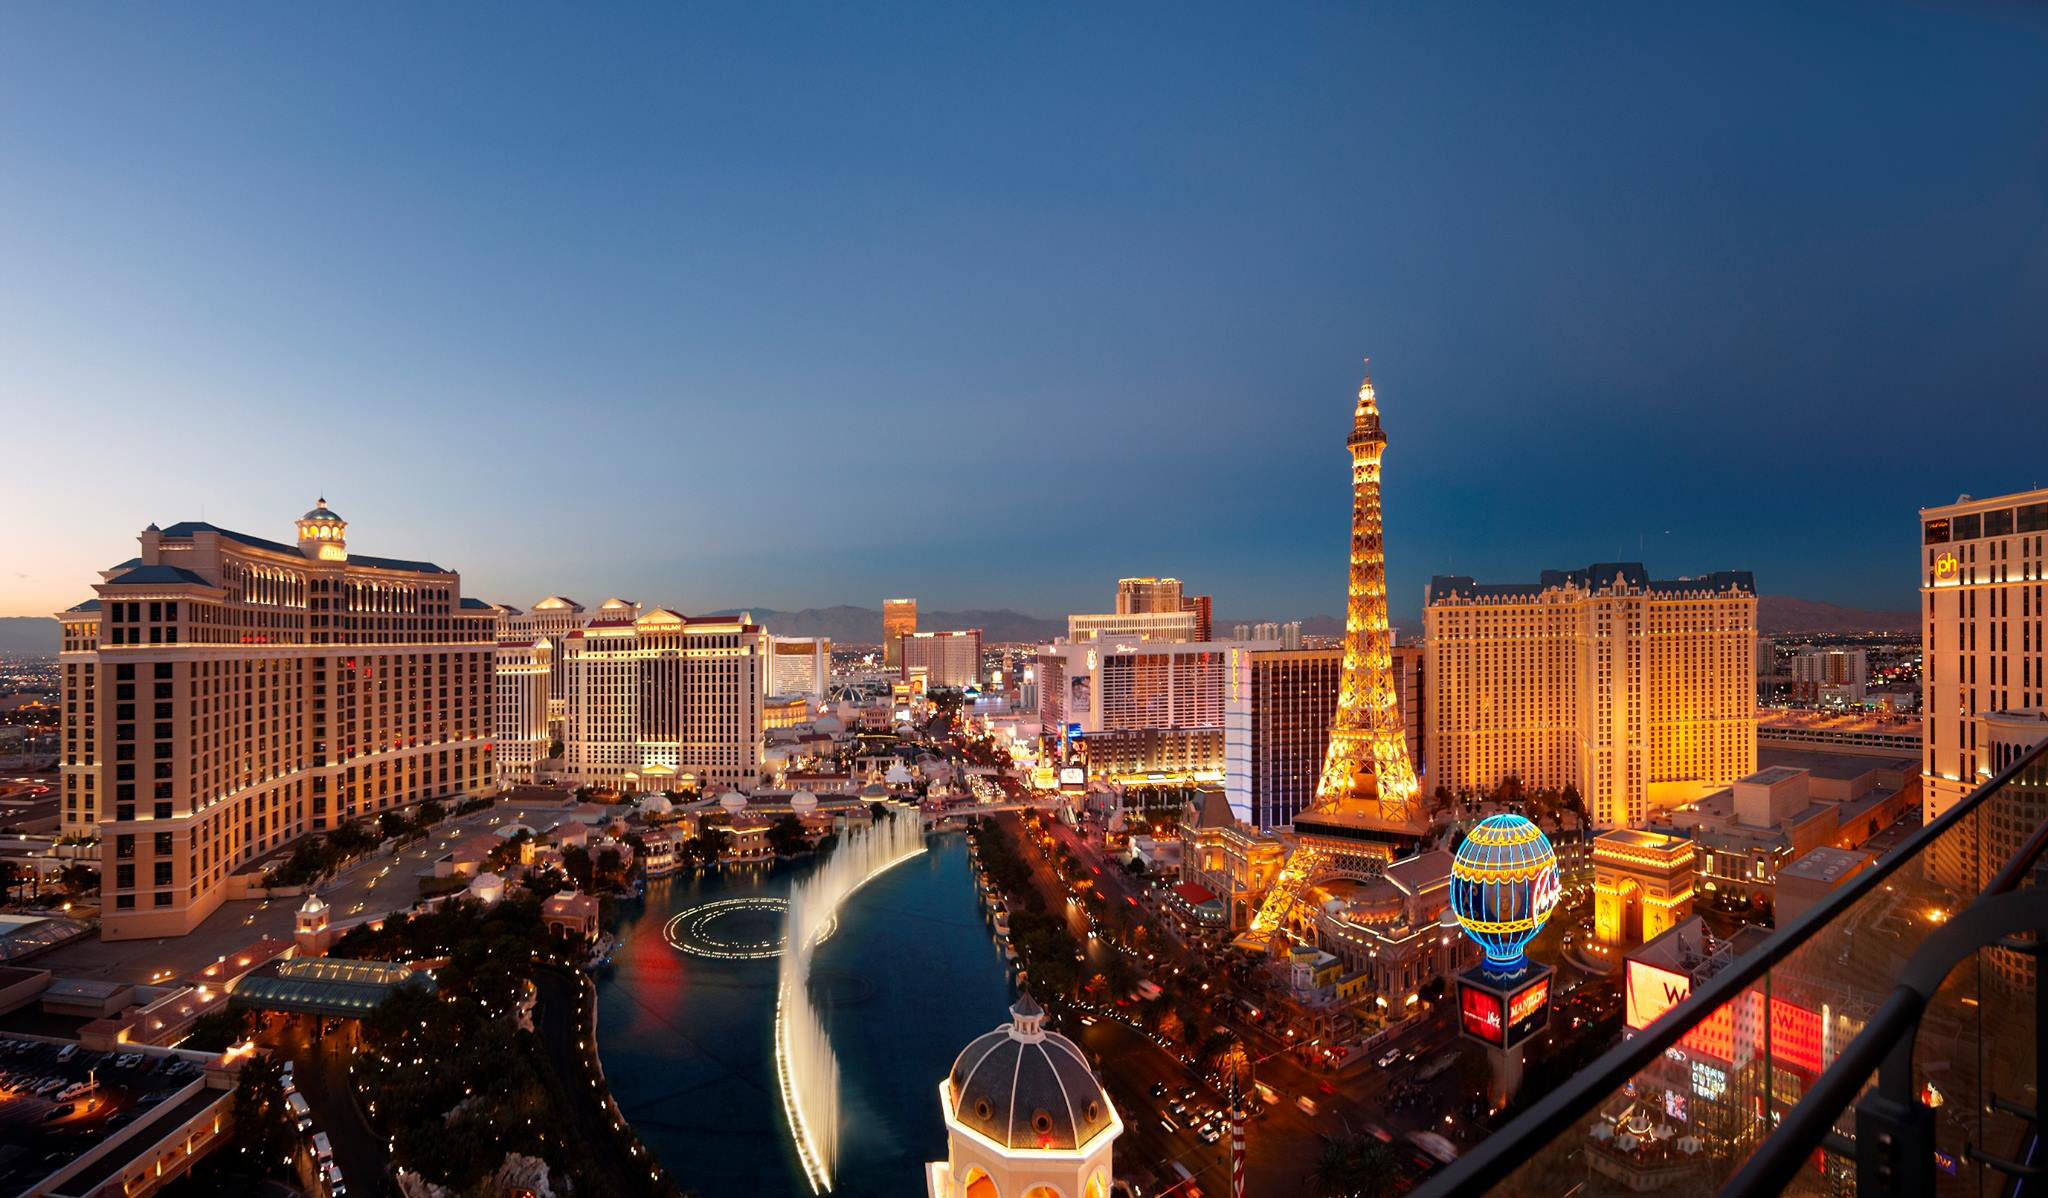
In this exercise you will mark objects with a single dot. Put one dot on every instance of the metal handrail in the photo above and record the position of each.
(1886, 1042)
(1496, 1156)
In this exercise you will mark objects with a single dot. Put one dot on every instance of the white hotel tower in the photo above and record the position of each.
(1984, 664)
(659, 700)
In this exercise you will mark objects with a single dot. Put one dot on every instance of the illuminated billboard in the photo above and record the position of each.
(1479, 1011)
(1504, 1012)
(1529, 1010)
(1651, 991)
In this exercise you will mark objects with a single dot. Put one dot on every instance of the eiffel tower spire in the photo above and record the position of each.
(1365, 423)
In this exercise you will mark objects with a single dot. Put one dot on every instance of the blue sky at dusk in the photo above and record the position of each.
(788, 306)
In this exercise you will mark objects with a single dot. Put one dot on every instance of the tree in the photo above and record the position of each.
(431, 813)
(80, 879)
(786, 836)
(216, 1031)
(392, 824)
(611, 865)
(1571, 800)
(261, 1131)
(1354, 1166)
(577, 864)
(350, 839)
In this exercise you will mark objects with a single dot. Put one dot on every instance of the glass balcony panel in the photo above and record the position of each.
(1687, 1122)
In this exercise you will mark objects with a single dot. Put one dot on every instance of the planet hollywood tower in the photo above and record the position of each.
(1367, 810)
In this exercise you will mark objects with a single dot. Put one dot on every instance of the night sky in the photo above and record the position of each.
(990, 304)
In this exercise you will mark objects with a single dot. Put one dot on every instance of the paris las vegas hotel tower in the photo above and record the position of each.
(225, 694)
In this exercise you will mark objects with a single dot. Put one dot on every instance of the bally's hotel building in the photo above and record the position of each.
(225, 694)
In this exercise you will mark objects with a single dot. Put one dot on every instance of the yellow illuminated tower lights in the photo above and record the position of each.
(1366, 807)
(1367, 761)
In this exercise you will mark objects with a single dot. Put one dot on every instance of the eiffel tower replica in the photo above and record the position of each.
(1367, 810)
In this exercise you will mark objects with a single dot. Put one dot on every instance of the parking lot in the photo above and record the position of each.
(59, 1101)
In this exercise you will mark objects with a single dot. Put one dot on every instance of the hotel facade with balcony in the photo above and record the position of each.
(949, 660)
(662, 700)
(225, 694)
(1638, 692)
(520, 730)
(1983, 586)
(549, 620)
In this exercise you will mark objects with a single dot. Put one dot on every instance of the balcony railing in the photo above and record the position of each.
(1884, 1042)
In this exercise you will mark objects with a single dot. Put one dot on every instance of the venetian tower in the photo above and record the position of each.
(1367, 810)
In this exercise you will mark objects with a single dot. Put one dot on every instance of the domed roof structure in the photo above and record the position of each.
(1027, 1088)
(656, 804)
(312, 905)
(322, 512)
(803, 801)
(733, 801)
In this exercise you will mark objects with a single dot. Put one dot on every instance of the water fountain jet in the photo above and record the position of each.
(805, 1069)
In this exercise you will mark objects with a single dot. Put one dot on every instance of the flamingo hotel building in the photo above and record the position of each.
(225, 694)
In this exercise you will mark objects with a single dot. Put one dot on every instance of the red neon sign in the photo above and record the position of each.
(1482, 1016)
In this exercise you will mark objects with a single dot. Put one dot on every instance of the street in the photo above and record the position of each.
(374, 885)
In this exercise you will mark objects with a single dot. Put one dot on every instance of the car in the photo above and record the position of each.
(1158, 1090)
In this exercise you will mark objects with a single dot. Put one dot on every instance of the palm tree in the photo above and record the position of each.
(1353, 1166)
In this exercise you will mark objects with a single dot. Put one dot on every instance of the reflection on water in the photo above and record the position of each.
(907, 980)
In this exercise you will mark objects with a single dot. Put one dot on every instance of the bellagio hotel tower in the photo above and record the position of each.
(225, 694)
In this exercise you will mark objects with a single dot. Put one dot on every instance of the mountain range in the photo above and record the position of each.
(1777, 615)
